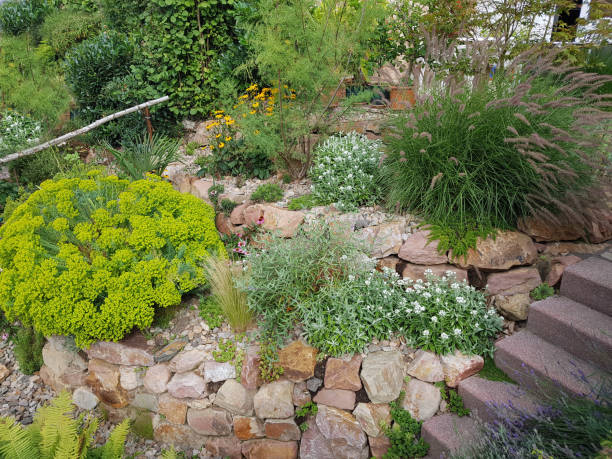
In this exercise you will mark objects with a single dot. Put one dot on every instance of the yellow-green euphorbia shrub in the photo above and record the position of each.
(93, 258)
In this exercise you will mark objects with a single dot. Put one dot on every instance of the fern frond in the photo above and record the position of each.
(169, 453)
(87, 435)
(15, 441)
(114, 447)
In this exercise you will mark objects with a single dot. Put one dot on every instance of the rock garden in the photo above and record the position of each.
(403, 253)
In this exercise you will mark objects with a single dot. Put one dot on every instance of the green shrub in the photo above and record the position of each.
(453, 399)
(509, 149)
(227, 205)
(18, 16)
(44, 165)
(542, 291)
(211, 312)
(65, 28)
(304, 202)
(458, 236)
(145, 155)
(8, 190)
(30, 84)
(268, 192)
(28, 349)
(345, 171)
(103, 249)
(91, 64)
(56, 433)
(405, 435)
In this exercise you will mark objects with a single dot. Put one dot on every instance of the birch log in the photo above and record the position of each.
(83, 130)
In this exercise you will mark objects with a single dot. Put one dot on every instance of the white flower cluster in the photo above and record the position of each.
(344, 171)
(17, 131)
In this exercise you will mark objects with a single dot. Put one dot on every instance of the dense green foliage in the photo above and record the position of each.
(322, 280)
(34, 169)
(103, 249)
(345, 171)
(19, 16)
(268, 192)
(453, 400)
(28, 349)
(65, 28)
(405, 435)
(211, 312)
(306, 201)
(55, 433)
(8, 190)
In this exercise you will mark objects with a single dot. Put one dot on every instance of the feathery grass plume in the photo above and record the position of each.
(231, 299)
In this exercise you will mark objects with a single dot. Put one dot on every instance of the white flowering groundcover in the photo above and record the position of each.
(17, 132)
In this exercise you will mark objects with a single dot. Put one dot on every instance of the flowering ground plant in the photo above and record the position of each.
(17, 131)
(345, 171)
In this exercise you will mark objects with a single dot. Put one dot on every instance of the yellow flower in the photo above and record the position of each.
(217, 136)
(218, 116)
(244, 115)
(253, 87)
(221, 145)
(252, 112)
(255, 105)
(216, 112)
(229, 123)
(228, 138)
(257, 131)
(227, 118)
(244, 96)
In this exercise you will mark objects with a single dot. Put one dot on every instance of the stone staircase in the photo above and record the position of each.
(567, 337)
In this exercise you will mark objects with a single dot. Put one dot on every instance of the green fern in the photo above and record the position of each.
(15, 441)
(114, 446)
(169, 453)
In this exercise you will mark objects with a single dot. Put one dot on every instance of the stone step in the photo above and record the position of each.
(590, 283)
(580, 330)
(538, 365)
(489, 400)
(447, 433)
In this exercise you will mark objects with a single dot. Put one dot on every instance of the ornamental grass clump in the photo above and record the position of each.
(531, 142)
(94, 258)
(345, 171)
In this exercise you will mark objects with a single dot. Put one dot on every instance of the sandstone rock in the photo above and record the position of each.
(223, 224)
(61, 358)
(518, 280)
(298, 361)
(186, 361)
(599, 228)
(218, 371)
(282, 429)
(250, 377)
(181, 436)
(313, 444)
(225, 447)
(156, 378)
(274, 400)
(84, 398)
(247, 428)
(103, 379)
(343, 433)
(426, 366)
(268, 449)
(416, 272)
(343, 399)
(127, 352)
(513, 307)
(301, 396)
(382, 375)
(200, 187)
(234, 398)
(371, 415)
(383, 240)
(145, 401)
(169, 351)
(379, 446)
(542, 231)
(342, 374)
(286, 222)
(509, 249)
(422, 400)
(564, 248)
(558, 265)
(173, 409)
(49, 379)
(237, 215)
(388, 262)
(210, 421)
(458, 367)
(131, 377)
(4, 373)
(184, 385)
(418, 250)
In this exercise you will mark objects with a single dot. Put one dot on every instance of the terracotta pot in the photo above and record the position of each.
(401, 97)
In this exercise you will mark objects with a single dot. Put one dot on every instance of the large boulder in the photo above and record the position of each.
(342, 432)
(382, 375)
(513, 307)
(66, 367)
(286, 222)
(416, 272)
(103, 379)
(383, 240)
(418, 250)
(505, 250)
(459, 366)
(298, 361)
(130, 351)
(518, 280)
(186, 361)
(371, 415)
(250, 376)
(426, 366)
(181, 436)
(84, 398)
(186, 385)
(247, 428)
(210, 421)
(225, 447)
(173, 409)
(343, 399)
(543, 231)
(422, 399)
(156, 378)
(343, 374)
(214, 371)
(274, 400)
(282, 429)
(266, 448)
(234, 398)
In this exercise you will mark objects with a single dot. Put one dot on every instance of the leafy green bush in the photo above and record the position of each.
(211, 312)
(542, 291)
(17, 132)
(91, 64)
(405, 435)
(56, 433)
(146, 155)
(227, 205)
(34, 169)
(503, 151)
(453, 399)
(103, 249)
(8, 190)
(345, 171)
(29, 83)
(268, 192)
(18, 16)
(28, 349)
(304, 202)
(65, 28)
